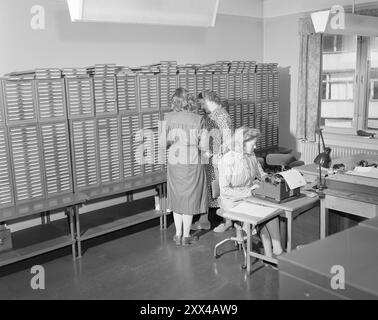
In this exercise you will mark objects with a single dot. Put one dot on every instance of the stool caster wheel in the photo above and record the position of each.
(244, 267)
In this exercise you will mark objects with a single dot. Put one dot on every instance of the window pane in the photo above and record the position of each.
(339, 68)
(372, 121)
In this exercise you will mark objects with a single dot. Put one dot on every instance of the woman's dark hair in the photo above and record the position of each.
(209, 95)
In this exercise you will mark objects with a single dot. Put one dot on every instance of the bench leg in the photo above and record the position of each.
(70, 217)
(78, 232)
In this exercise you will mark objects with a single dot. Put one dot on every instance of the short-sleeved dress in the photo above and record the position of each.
(186, 176)
(217, 121)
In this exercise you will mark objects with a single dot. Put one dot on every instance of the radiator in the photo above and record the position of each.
(309, 151)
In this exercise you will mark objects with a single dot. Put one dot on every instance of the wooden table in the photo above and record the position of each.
(307, 273)
(291, 209)
(69, 202)
(115, 190)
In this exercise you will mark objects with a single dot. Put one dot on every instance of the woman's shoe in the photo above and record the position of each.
(187, 241)
(177, 240)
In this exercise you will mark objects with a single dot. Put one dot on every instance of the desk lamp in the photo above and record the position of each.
(323, 159)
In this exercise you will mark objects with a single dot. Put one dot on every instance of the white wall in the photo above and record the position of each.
(281, 45)
(66, 44)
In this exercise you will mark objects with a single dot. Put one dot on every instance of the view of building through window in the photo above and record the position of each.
(343, 96)
(339, 68)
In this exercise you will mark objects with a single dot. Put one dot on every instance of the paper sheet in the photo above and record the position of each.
(293, 178)
(253, 210)
(370, 172)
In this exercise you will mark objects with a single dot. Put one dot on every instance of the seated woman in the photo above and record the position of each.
(238, 171)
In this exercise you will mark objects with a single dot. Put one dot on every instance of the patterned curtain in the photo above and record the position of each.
(310, 67)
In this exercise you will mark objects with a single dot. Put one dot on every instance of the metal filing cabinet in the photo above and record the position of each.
(26, 152)
(105, 95)
(148, 93)
(131, 139)
(56, 156)
(109, 150)
(168, 85)
(127, 93)
(84, 153)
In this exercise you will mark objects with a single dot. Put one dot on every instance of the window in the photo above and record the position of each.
(349, 83)
(372, 119)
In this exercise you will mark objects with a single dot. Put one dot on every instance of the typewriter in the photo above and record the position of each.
(274, 188)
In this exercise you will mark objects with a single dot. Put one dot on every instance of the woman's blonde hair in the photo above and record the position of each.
(179, 100)
(240, 137)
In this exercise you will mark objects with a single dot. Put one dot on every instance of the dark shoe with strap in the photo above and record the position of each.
(177, 240)
(187, 241)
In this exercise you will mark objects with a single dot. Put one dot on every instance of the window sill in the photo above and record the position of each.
(350, 141)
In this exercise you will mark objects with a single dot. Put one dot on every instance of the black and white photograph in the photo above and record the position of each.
(189, 156)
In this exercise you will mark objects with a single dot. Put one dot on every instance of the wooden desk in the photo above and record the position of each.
(291, 209)
(358, 204)
(306, 273)
(346, 197)
(371, 223)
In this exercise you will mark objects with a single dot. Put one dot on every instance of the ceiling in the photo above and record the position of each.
(276, 8)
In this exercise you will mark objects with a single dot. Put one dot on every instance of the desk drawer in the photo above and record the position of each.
(293, 288)
(358, 208)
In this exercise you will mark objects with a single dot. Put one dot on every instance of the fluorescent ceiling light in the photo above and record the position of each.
(344, 23)
(198, 13)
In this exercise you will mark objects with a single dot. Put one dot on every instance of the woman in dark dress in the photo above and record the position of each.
(186, 176)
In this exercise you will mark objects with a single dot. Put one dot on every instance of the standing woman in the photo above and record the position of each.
(186, 177)
(219, 126)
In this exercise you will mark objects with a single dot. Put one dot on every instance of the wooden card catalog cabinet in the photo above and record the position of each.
(234, 86)
(131, 140)
(27, 162)
(105, 93)
(150, 123)
(127, 93)
(203, 81)
(56, 155)
(2, 117)
(6, 188)
(219, 85)
(19, 101)
(148, 93)
(188, 81)
(108, 133)
(51, 99)
(168, 85)
(84, 153)
(79, 97)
